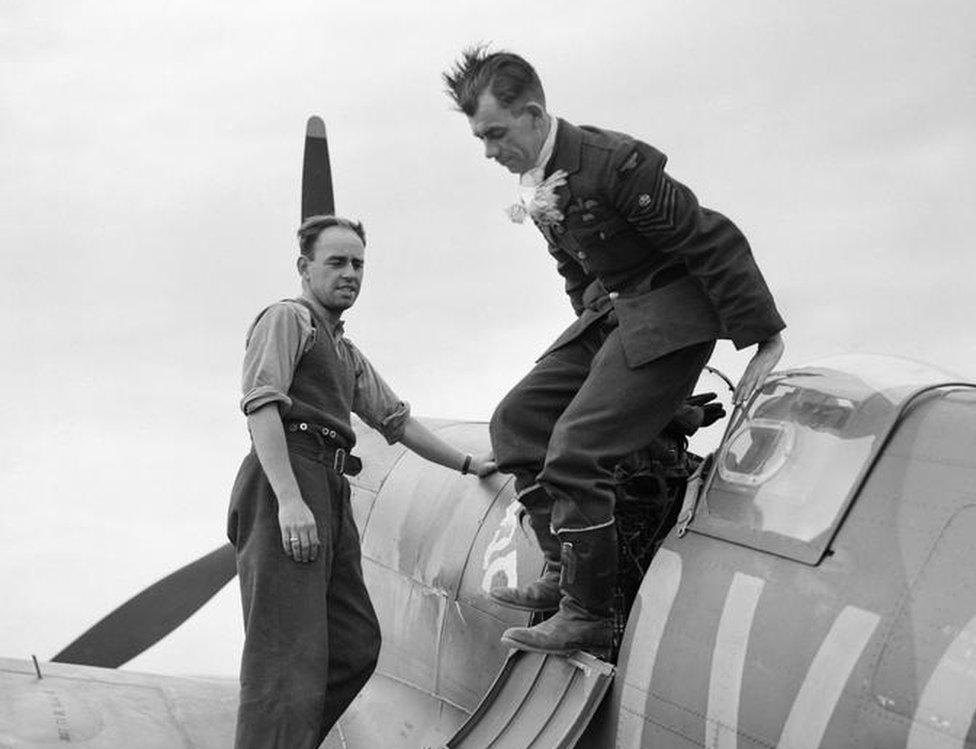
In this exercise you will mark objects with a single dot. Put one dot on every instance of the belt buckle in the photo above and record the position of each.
(339, 461)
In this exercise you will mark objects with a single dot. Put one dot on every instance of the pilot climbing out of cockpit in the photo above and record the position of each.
(311, 638)
(654, 280)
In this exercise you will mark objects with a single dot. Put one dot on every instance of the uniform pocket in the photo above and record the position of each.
(655, 323)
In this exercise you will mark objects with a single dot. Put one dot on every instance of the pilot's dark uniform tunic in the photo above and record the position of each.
(311, 635)
(654, 279)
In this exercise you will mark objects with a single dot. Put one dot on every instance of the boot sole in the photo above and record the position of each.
(516, 645)
(523, 607)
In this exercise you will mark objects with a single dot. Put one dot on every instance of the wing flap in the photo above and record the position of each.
(537, 700)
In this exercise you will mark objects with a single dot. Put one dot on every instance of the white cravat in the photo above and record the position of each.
(531, 179)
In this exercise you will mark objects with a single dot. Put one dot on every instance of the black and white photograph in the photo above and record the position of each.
(431, 375)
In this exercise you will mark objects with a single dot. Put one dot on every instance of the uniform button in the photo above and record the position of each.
(613, 294)
(603, 235)
(581, 255)
(303, 426)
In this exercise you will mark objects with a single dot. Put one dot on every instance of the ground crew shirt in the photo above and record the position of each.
(276, 341)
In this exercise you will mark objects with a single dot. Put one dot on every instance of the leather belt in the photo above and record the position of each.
(337, 456)
(315, 429)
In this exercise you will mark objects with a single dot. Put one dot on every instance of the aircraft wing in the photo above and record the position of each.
(101, 707)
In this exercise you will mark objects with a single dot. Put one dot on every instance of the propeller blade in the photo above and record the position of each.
(317, 197)
(149, 616)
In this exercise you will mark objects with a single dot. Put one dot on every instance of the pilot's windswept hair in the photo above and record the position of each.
(311, 227)
(510, 78)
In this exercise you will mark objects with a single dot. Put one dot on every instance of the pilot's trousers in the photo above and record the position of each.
(311, 638)
(578, 412)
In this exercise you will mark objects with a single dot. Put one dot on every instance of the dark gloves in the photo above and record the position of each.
(696, 412)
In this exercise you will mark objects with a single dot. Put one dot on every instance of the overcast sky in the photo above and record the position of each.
(150, 161)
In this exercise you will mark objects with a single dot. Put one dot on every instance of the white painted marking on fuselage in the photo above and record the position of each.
(661, 583)
(831, 668)
(948, 702)
(728, 661)
(503, 561)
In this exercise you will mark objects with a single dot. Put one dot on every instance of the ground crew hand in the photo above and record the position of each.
(483, 465)
(759, 367)
(299, 536)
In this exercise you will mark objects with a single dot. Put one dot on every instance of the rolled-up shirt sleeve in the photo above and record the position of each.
(275, 343)
(375, 402)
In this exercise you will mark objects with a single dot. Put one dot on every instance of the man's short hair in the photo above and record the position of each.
(510, 78)
(311, 227)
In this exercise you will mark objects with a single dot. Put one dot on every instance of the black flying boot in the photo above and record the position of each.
(585, 617)
(542, 594)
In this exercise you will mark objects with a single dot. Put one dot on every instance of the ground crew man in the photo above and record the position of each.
(311, 635)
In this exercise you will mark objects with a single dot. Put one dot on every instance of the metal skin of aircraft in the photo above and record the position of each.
(821, 595)
(815, 591)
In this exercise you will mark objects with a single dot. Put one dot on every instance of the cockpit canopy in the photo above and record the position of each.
(793, 461)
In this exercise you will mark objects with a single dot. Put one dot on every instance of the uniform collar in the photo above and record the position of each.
(566, 152)
(534, 176)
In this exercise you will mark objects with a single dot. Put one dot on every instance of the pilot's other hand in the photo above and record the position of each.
(483, 465)
(710, 412)
(685, 421)
(299, 535)
(759, 367)
(697, 411)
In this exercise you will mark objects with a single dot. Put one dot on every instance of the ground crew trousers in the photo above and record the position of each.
(311, 638)
(579, 411)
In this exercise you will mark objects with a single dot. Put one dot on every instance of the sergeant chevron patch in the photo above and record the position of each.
(657, 213)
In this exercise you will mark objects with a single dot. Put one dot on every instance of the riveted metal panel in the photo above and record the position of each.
(925, 681)
(106, 708)
(410, 616)
(392, 714)
(503, 553)
(426, 516)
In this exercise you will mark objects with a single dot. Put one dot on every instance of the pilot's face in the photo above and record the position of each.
(335, 273)
(513, 140)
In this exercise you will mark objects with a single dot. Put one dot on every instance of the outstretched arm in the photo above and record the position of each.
(377, 405)
(428, 445)
(766, 357)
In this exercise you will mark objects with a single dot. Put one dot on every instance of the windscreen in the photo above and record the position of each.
(792, 462)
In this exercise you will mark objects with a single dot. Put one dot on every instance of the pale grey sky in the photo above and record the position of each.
(151, 160)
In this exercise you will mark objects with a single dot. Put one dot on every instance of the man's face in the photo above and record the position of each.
(335, 274)
(513, 141)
